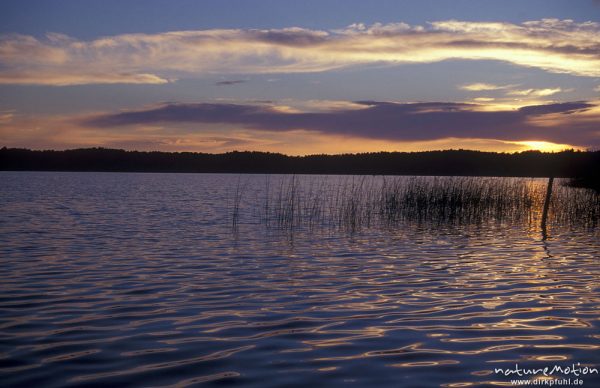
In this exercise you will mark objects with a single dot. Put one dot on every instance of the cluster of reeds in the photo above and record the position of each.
(576, 206)
(457, 199)
(236, 202)
(357, 202)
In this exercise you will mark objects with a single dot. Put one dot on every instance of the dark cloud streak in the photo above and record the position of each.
(378, 120)
(233, 82)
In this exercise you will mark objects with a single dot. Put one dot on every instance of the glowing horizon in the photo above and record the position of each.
(490, 81)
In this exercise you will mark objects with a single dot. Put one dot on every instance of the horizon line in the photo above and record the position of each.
(3, 148)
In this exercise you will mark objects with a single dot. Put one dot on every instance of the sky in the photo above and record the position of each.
(300, 77)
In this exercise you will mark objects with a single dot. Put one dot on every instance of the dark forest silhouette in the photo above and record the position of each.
(450, 162)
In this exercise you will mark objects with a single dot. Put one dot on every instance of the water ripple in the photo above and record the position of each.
(138, 280)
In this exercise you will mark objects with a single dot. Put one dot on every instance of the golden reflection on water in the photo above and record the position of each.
(425, 363)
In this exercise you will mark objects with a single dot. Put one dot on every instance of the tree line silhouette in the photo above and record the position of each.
(580, 164)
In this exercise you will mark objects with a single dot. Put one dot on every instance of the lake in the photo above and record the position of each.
(173, 280)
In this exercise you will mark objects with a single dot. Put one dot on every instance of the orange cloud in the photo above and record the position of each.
(535, 92)
(480, 86)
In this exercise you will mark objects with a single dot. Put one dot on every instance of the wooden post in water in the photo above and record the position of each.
(546, 205)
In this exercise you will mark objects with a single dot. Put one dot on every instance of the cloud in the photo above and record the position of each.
(6, 116)
(560, 46)
(535, 92)
(177, 142)
(386, 120)
(479, 86)
(63, 132)
(56, 79)
(564, 108)
(233, 82)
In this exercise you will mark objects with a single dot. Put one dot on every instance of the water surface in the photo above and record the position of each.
(121, 279)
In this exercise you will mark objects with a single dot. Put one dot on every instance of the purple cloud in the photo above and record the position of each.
(233, 82)
(382, 120)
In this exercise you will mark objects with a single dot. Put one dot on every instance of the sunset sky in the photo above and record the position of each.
(300, 77)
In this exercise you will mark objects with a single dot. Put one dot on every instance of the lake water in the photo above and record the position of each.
(115, 279)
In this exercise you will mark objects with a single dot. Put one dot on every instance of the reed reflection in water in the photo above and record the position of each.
(138, 280)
